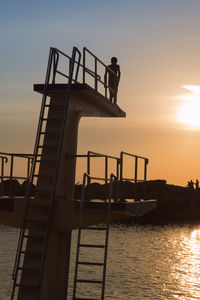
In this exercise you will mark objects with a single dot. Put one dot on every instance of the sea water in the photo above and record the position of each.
(144, 262)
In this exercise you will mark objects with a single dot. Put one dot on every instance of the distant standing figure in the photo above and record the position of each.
(113, 80)
(197, 184)
(191, 185)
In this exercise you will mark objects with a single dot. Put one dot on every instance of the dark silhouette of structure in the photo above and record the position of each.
(113, 72)
(197, 184)
(48, 213)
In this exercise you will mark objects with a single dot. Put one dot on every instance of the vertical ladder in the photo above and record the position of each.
(81, 245)
(33, 241)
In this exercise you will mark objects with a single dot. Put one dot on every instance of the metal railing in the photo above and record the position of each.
(71, 63)
(136, 158)
(119, 165)
(97, 77)
(92, 154)
(7, 164)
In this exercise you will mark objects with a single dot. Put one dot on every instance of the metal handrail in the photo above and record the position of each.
(136, 157)
(97, 79)
(5, 156)
(71, 60)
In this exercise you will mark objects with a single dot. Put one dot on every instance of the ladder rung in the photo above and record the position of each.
(90, 263)
(28, 269)
(54, 105)
(46, 160)
(50, 132)
(51, 119)
(31, 252)
(43, 191)
(30, 286)
(44, 146)
(32, 204)
(37, 220)
(89, 281)
(94, 228)
(34, 236)
(43, 175)
(91, 246)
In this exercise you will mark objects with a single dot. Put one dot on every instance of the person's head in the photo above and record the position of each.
(114, 60)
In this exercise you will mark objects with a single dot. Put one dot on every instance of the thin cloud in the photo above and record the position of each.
(192, 88)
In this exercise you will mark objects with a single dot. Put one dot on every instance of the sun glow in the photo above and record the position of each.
(189, 112)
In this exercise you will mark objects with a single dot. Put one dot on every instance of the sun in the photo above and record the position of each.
(189, 112)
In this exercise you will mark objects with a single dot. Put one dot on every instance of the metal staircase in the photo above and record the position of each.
(33, 239)
(81, 263)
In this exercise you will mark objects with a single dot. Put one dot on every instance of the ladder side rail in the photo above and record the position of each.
(77, 68)
(112, 178)
(22, 231)
(44, 97)
(85, 179)
(55, 66)
(145, 169)
(4, 160)
(57, 51)
(79, 233)
(52, 196)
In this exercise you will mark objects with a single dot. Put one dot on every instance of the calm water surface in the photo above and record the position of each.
(144, 262)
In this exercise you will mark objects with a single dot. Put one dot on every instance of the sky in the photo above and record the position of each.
(157, 44)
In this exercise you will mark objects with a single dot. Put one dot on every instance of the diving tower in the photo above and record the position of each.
(42, 261)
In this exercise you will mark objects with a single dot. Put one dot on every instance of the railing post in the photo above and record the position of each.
(95, 78)
(11, 173)
(136, 167)
(121, 166)
(2, 173)
(84, 65)
(106, 169)
(55, 64)
(2, 168)
(88, 167)
(145, 169)
(105, 83)
(117, 168)
(28, 168)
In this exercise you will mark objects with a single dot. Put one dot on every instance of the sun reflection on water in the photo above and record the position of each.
(186, 270)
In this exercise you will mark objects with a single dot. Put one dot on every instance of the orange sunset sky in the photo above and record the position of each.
(157, 44)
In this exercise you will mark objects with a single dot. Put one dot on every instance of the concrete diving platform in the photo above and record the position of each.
(92, 102)
(12, 211)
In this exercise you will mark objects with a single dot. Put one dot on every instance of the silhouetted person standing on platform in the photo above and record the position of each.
(113, 79)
